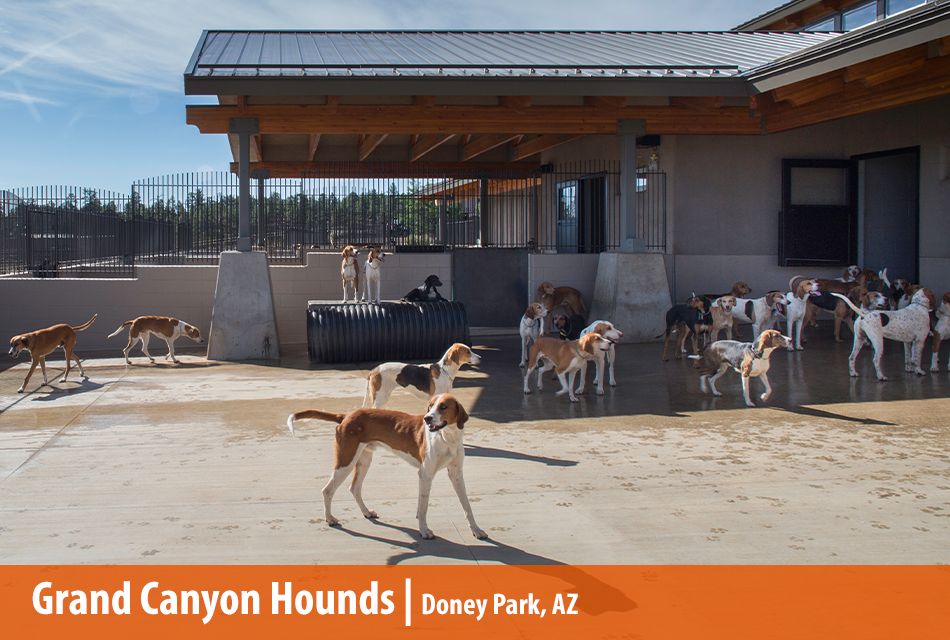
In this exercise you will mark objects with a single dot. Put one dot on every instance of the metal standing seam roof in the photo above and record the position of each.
(564, 54)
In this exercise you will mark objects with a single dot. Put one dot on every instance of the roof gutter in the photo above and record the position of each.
(880, 39)
(464, 86)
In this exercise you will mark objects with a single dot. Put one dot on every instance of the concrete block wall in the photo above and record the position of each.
(578, 270)
(187, 292)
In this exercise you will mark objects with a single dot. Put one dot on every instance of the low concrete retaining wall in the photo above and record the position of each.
(187, 292)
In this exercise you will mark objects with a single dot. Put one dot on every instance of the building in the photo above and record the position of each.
(812, 137)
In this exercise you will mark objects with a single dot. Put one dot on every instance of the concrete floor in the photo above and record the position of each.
(193, 464)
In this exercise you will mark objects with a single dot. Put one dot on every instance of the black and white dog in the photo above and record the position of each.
(427, 292)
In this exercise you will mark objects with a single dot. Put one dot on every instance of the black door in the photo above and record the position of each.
(889, 187)
(581, 215)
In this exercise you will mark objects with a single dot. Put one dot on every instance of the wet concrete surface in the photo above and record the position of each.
(193, 464)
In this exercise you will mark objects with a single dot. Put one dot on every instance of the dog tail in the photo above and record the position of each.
(87, 324)
(127, 323)
(850, 304)
(313, 414)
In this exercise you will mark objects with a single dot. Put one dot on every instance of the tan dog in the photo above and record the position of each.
(551, 297)
(163, 327)
(429, 442)
(722, 320)
(565, 357)
(42, 343)
(350, 273)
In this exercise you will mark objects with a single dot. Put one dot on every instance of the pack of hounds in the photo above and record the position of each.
(555, 335)
(871, 305)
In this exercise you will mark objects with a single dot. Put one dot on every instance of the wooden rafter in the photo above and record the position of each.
(531, 147)
(930, 80)
(804, 92)
(368, 144)
(423, 144)
(314, 144)
(257, 153)
(485, 143)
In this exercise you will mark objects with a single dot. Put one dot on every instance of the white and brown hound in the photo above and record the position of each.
(941, 332)
(796, 302)
(604, 359)
(429, 442)
(43, 342)
(566, 357)
(759, 312)
(350, 273)
(422, 380)
(531, 328)
(165, 328)
(748, 359)
(910, 325)
(372, 278)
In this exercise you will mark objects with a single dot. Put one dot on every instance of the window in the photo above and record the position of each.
(859, 16)
(828, 24)
(896, 6)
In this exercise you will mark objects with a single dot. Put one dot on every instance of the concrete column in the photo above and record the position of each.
(628, 130)
(244, 128)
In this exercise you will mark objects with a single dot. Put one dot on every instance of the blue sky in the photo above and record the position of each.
(91, 90)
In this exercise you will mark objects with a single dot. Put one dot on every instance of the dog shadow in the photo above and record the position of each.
(84, 385)
(491, 452)
(609, 598)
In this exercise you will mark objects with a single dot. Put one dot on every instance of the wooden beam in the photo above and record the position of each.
(368, 144)
(324, 169)
(515, 102)
(605, 102)
(484, 144)
(426, 143)
(409, 119)
(537, 145)
(887, 67)
(312, 147)
(810, 90)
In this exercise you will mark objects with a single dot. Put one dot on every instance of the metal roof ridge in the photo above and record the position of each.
(517, 31)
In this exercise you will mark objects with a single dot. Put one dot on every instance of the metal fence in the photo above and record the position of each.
(193, 217)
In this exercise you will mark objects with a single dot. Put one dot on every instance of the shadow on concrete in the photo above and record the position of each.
(490, 452)
(608, 597)
(830, 415)
(75, 388)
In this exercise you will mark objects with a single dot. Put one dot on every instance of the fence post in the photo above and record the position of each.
(483, 211)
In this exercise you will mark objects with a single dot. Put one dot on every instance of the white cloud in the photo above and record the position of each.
(24, 98)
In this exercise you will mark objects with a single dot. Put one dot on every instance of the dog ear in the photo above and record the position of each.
(461, 415)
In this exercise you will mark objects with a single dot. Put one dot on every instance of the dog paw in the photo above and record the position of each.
(765, 396)
(717, 394)
(612, 383)
(934, 369)
(791, 348)
(20, 390)
(371, 515)
(882, 378)
(920, 372)
(527, 392)
(750, 404)
(800, 348)
(574, 400)
(600, 392)
(478, 533)
(333, 522)
(426, 534)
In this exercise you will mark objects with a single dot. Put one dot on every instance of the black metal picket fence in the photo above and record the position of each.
(192, 217)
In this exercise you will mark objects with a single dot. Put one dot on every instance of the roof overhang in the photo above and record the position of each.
(776, 14)
(925, 24)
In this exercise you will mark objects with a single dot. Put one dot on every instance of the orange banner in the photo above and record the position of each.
(548, 602)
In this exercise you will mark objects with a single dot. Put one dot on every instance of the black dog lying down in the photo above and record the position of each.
(427, 292)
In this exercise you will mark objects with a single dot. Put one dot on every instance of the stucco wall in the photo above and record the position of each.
(726, 194)
(578, 270)
(187, 292)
